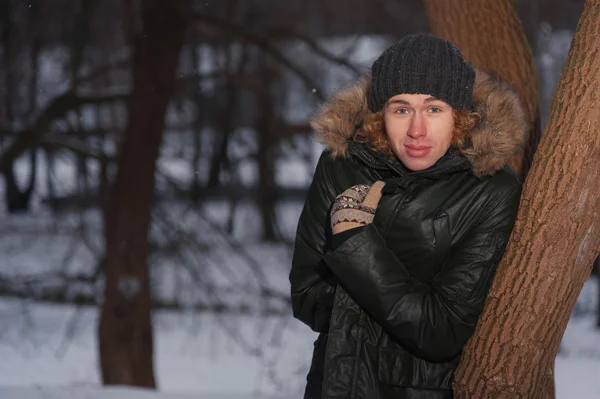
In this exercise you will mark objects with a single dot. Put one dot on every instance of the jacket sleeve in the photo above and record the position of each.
(312, 289)
(432, 320)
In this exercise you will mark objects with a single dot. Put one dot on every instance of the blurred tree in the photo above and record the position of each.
(81, 34)
(125, 327)
(17, 199)
(491, 37)
(37, 111)
(529, 13)
(553, 245)
(269, 129)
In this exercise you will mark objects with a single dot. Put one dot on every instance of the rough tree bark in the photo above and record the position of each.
(491, 37)
(125, 327)
(553, 245)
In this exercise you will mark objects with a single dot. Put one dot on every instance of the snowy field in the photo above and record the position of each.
(260, 357)
(49, 351)
(106, 393)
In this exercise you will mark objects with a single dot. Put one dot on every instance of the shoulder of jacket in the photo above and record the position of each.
(335, 163)
(503, 180)
(502, 188)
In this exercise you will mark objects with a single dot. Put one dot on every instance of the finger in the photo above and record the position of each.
(374, 195)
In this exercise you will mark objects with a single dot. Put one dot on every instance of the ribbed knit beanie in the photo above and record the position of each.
(422, 64)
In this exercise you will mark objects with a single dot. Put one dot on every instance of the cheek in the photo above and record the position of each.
(449, 137)
(447, 132)
(393, 129)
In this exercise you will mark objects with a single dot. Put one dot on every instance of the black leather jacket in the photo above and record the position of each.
(396, 301)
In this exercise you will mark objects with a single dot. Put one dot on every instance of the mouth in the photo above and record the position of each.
(416, 147)
(417, 151)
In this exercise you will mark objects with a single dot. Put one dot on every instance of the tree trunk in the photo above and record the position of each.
(491, 37)
(553, 245)
(199, 124)
(529, 10)
(226, 121)
(50, 171)
(268, 140)
(266, 197)
(125, 327)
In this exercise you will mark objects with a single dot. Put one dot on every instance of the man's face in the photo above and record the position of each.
(419, 128)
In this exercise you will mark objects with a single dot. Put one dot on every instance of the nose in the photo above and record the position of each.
(417, 128)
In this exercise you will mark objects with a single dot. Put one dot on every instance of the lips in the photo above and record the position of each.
(417, 151)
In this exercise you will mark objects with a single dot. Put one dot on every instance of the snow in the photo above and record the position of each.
(49, 351)
(37, 363)
(577, 378)
(104, 393)
(55, 346)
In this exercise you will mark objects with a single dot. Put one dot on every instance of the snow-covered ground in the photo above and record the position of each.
(49, 351)
(104, 393)
(50, 345)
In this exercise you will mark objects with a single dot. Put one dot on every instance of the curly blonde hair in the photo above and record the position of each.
(372, 132)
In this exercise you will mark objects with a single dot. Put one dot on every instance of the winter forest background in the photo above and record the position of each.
(235, 160)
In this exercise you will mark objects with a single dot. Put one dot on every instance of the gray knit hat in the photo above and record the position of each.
(422, 64)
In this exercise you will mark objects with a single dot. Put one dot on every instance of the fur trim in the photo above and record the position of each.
(337, 119)
(500, 134)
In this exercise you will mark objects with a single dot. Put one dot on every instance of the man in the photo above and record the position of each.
(406, 220)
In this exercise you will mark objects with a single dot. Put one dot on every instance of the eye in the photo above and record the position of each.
(401, 111)
(435, 110)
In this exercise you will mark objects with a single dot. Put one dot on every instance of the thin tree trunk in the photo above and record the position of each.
(266, 155)
(225, 120)
(266, 197)
(79, 41)
(49, 171)
(530, 18)
(125, 327)
(199, 123)
(18, 200)
(553, 245)
(491, 37)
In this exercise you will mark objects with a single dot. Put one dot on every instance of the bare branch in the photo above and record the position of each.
(100, 71)
(70, 331)
(75, 145)
(265, 45)
(317, 49)
(57, 109)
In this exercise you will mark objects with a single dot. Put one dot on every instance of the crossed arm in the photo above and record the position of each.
(432, 320)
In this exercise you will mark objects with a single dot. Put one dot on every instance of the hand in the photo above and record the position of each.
(355, 207)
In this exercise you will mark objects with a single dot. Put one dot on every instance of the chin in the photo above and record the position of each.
(416, 165)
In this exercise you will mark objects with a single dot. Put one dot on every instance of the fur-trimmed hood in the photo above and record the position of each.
(500, 134)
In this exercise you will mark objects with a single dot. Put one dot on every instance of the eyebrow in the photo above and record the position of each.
(403, 102)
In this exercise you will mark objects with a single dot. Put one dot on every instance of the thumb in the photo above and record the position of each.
(374, 194)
